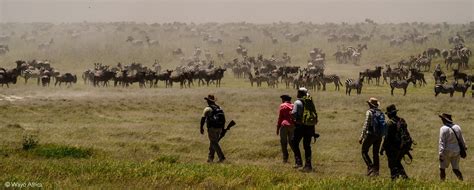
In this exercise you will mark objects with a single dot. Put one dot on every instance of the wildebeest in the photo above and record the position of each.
(432, 52)
(377, 73)
(67, 78)
(45, 79)
(461, 60)
(151, 42)
(418, 76)
(7, 77)
(134, 42)
(444, 89)
(459, 75)
(178, 51)
(401, 84)
(462, 87)
(354, 84)
(102, 76)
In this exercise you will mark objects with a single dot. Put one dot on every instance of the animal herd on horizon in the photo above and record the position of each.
(202, 68)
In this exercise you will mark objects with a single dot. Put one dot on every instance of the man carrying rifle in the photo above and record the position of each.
(397, 143)
(213, 115)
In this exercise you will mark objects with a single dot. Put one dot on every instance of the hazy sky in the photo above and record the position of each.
(258, 11)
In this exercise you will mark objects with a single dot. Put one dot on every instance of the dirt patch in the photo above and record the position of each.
(10, 98)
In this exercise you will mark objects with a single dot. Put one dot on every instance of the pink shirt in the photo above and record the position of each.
(285, 118)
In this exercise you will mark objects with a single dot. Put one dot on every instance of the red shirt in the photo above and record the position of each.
(285, 118)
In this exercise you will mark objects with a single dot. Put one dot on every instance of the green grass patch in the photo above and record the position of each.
(167, 159)
(61, 151)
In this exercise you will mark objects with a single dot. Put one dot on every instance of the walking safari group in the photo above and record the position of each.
(385, 132)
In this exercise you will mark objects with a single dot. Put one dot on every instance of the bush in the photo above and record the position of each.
(62, 151)
(29, 142)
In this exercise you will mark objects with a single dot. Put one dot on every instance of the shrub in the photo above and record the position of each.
(29, 141)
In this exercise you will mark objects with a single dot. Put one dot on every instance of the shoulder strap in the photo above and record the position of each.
(214, 107)
(457, 138)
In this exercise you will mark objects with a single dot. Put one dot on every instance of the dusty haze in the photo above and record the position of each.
(258, 11)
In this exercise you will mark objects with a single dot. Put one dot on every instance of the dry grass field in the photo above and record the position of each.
(134, 138)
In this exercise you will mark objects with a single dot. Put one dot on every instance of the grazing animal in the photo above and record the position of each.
(377, 73)
(45, 79)
(444, 89)
(403, 84)
(460, 60)
(134, 42)
(418, 76)
(444, 53)
(178, 51)
(330, 79)
(459, 75)
(433, 52)
(354, 84)
(462, 87)
(67, 78)
(7, 77)
(151, 42)
(423, 62)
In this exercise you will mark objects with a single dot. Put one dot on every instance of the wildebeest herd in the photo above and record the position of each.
(201, 68)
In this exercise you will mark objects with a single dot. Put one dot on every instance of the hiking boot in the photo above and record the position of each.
(210, 161)
(369, 171)
(374, 173)
(307, 169)
(221, 160)
(298, 166)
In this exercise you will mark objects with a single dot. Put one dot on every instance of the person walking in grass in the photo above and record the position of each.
(214, 117)
(306, 118)
(372, 132)
(452, 146)
(397, 143)
(285, 125)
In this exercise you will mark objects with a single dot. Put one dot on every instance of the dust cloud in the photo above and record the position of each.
(255, 11)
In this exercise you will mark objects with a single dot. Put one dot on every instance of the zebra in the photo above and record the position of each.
(354, 84)
(401, 84)
(330, 79)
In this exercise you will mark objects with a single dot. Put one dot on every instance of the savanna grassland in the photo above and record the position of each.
(133, 138)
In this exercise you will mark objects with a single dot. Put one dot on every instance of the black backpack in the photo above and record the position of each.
(217, 117)
(405, 139)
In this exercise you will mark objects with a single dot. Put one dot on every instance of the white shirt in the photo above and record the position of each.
(447, 140)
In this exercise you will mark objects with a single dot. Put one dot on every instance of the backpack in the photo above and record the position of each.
(310, 117)
(217, 117)
(378, 125)
(406, 142)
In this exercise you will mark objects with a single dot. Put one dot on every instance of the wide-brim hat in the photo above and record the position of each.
(374, 102)
(446, 117)
(391, 109)
(303, 89)
(210, 98)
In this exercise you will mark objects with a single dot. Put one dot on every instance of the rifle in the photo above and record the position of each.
(224, 131)
(315, 136)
